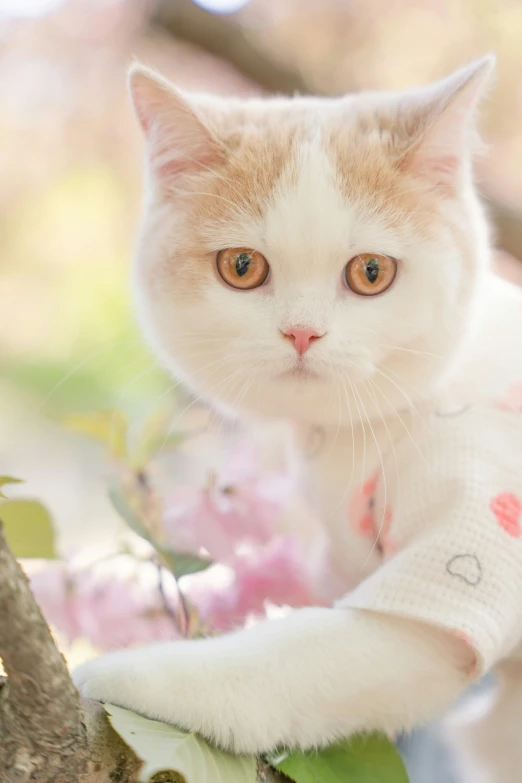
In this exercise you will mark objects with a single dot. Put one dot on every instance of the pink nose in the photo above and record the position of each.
(302, 338)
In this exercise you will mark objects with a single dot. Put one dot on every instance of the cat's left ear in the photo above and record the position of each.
(446, 116)
(178, 138)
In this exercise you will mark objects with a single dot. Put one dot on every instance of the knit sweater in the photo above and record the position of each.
(445, 512)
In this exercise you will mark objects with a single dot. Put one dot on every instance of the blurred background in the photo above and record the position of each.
(70, 161)
(70, 189)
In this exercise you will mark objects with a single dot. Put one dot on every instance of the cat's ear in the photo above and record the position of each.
(178, 139)
(445, 113)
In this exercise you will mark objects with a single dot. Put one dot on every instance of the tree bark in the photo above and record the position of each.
(47, 733)
(223, 36)
(508, 224)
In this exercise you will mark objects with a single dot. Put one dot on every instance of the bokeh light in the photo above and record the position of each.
(222, 6)
(27, 8)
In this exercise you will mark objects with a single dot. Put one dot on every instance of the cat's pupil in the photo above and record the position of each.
(372, 270)
(242, 263)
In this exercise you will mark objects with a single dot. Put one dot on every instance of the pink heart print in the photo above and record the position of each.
(508, 511)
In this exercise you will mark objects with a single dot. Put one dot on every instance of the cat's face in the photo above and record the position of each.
(311, 258)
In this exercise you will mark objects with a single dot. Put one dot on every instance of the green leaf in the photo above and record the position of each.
(179, 563)
(28, 528)
(182, 564)
(8, 480)
(163, 748)
(108, 427)
(361, 759)
(126, 511)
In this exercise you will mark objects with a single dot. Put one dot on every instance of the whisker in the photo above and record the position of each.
(363, 464)
(235, 402)
(410, 350)
(420, 393)
(332, 445)
(410, 402)
(121, 370)
(410, 436)
(349, 485)
(381, 460)
(239, 397)
(112, 428)
(219, 363)
(82, 363)
(383, 419)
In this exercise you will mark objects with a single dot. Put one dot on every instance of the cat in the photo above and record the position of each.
(326, 260)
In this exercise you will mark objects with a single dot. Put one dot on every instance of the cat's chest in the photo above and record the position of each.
(338, 472)
(344, 469)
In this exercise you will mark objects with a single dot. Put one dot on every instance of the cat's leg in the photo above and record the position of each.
(301, 681)
(487, 738)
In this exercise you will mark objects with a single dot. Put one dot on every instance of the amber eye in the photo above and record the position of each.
(369, 274)
(242, 267)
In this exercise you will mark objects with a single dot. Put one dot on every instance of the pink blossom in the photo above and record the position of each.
(108, 611)
(240, 505)
(235, 518)
(275, 572)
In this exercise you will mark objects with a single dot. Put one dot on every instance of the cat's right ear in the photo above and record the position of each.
(178, 140)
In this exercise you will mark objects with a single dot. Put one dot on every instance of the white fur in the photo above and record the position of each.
(308, 233)
(321, 673)
(302, 681)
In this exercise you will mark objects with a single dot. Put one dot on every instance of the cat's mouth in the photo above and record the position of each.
(299, 372)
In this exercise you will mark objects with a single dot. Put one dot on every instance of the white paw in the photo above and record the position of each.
(107, 679)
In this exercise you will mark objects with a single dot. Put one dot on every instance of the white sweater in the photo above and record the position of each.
(447, 522)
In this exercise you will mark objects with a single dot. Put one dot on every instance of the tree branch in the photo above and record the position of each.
(223, 36)
(47, 733)
(39, 706)
(508, 225)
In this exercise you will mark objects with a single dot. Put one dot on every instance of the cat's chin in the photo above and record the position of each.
(300, 374)
(306, 395)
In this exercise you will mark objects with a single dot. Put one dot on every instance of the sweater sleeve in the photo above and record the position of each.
(448, 504)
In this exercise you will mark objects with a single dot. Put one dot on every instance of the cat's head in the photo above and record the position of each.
(311, 257)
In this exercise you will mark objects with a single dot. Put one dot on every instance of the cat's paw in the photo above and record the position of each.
(188, 685)
(111, 678)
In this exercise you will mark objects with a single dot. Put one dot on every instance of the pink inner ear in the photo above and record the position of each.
(181, 150)
(445, 166)
(441, 170)
(178, 140)
(142, 113)
(148, 98)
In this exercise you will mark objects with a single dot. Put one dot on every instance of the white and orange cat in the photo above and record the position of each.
(331, 256)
